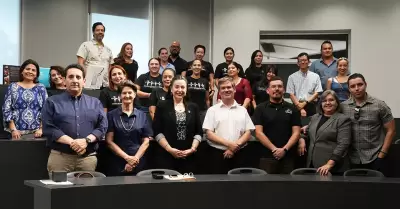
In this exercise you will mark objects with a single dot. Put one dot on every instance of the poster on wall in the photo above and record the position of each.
(10, 74)
(284, 46)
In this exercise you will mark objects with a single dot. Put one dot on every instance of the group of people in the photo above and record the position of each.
(172, 104)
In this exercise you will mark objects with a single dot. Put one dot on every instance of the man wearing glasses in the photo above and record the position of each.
(373, 126)
(304, 87)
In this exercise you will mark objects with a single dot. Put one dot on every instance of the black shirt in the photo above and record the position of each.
(198, 89)
(222, 70)
(260, 92)
(147, 83)
(255, 74)
(110, 99)
(205, 73)
(156, 96)
(322, 121)
(180, 64)
(52, 92)
(131, 69)
(277, 121)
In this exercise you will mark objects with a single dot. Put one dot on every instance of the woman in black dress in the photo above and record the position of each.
(177, 128)
(128, 134)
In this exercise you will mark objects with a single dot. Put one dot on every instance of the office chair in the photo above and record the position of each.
(363, 173)
(246, 171)
(85, 174)
(306, 171)
(150, 172)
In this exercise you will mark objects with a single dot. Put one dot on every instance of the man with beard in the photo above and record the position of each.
(373, 126)
(73, 124)
(227, 125)
(278, 129)
(95, 53)
(179, 63)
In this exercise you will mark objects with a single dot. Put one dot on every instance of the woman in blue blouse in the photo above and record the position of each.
(128, 134)
(339, 83)
(23, 103)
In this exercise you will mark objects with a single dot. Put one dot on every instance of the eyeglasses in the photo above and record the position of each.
(357, 113)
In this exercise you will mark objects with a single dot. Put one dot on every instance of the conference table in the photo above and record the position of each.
(219, 192)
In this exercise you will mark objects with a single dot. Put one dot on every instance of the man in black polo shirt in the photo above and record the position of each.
(179, 63)
(278, 129)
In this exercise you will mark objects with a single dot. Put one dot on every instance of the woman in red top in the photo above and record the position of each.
(243, 92)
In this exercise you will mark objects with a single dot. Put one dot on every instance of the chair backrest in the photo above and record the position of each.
(246, 171)
(363, 172)
(85, 174)
(397, 141)
(150, 172)
(306, 171)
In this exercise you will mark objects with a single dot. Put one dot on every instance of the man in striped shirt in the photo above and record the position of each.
(373, 126)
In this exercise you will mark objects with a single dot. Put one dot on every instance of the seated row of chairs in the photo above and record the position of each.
(236, 171)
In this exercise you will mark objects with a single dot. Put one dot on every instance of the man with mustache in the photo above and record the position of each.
(373, 126)
(95, 53)
(73, 124)
(278, 129)
(227, 125)
(179, 63)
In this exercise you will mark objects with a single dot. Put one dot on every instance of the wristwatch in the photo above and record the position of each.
(88, 141)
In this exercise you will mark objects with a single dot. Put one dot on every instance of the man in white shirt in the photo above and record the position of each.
(94, 53)
(227, 125)
(304, 87)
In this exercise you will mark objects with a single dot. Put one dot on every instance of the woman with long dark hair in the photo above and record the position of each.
(125, 60)
(260, 93)
(256, 70)
(177, 129)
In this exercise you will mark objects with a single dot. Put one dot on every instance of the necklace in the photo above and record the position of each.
(130, 128)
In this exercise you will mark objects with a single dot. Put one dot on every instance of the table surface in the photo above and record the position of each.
(125, 180)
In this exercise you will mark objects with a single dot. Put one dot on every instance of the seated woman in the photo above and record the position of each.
(177, 129)
(109, 96)
(56, 80)
(339, 82)
(329, 135)
(158, 94)
(243, 92)
(23, 103)
(128, 134)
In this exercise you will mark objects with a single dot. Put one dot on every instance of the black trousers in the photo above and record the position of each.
(274, 166)
(377, 164)
(220, 165)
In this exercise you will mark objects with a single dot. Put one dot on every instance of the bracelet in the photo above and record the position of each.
(383, 152)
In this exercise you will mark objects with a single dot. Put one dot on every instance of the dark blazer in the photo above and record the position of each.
(330, 142)
(165, 123)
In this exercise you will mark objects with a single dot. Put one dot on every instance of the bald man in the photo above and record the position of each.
(174, 58)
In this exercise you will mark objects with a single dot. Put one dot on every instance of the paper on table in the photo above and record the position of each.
(51, 182)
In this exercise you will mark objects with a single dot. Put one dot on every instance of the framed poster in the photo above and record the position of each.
(10, 74)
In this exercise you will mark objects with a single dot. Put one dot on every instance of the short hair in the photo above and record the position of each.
(23, 66)
(303, 54)
(179, 78)
(129, 84)
(323, 97)
(326, 42)
(227, 49)
(200, 46)
(59, 70)
(77, 66)
(354, 76)
(159, 51)
(224, 80)
(169, 69)
(97, 24)
(110, 83)
(153, 58)
(276, 78)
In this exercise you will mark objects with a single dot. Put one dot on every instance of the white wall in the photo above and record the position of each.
(374, 33)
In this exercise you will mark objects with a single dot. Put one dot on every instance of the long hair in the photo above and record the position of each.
(270, 68)
(120, 59)
(59, 70)
(110, 83)
(253, 55)
(169, 94)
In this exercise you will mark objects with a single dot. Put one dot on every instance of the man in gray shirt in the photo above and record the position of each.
(373, 126)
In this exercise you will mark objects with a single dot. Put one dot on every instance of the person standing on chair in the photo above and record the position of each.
(128, 134)
(227, 125)
(278, 129)
(73, 124)
(373, 126)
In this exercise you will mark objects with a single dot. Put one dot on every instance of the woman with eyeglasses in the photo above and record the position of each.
(328, 136)
(339, 82)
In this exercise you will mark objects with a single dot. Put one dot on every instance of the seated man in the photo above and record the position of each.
(73, 124)
(227, 125)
